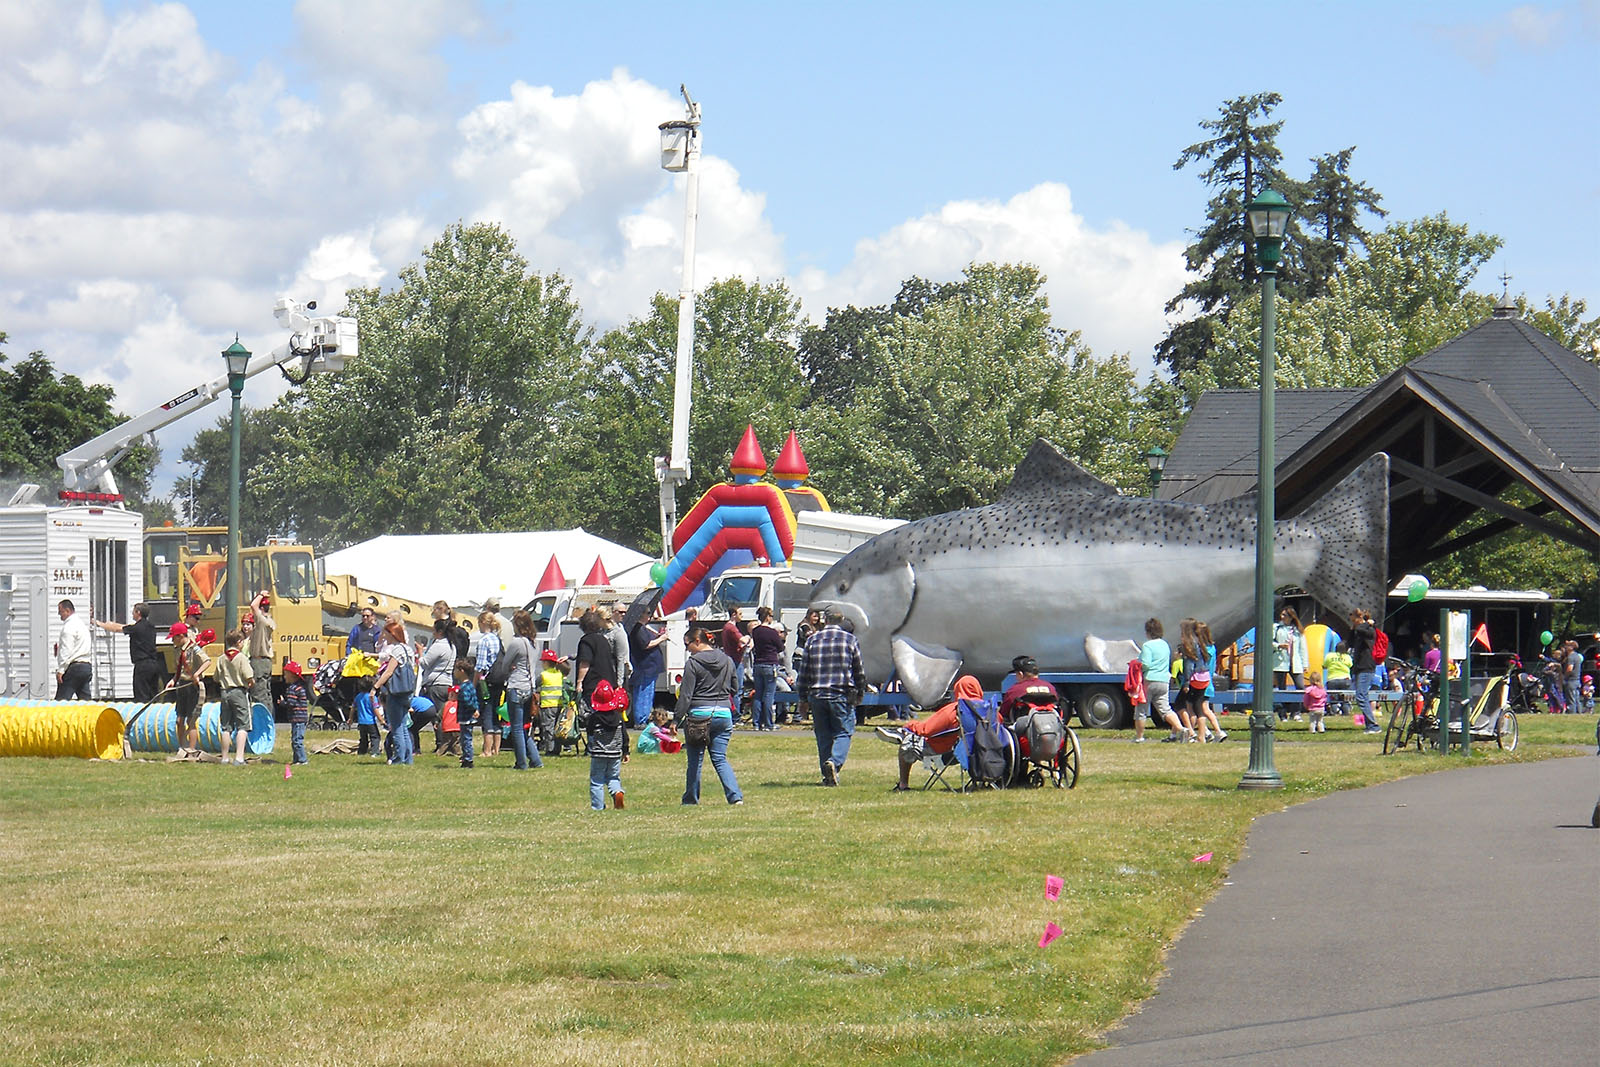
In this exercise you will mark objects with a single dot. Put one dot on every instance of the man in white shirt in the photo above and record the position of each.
(73, 669)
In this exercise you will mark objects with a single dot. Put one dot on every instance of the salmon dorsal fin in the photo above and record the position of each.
(1045, 469)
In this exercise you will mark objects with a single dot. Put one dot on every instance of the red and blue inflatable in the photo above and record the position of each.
(740, 522)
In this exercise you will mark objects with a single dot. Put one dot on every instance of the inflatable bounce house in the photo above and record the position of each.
(740, 522)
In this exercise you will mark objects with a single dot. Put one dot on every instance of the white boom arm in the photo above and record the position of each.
(318, 345)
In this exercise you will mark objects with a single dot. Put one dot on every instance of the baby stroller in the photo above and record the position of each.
(1522, 687)
(333, 706)
(572, 725)
(1047, 747)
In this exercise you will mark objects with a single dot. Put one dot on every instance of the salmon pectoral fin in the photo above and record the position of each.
(925, 670)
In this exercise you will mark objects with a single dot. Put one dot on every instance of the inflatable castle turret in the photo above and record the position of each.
(740, 522)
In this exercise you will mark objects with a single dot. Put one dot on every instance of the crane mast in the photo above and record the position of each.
(680, 153)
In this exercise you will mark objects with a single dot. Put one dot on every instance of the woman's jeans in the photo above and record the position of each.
(605, 772)
(397, 710)
(1364, 697)
(721, 734)
(644, 698)
(766, 695)
(523, 746)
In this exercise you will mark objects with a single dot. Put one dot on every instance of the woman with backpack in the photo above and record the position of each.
(397, 681)
(1363, 635)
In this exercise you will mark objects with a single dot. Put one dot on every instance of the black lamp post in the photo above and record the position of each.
(238, 359)
(1269, 218)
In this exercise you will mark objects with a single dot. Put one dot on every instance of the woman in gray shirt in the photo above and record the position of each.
(518, 656)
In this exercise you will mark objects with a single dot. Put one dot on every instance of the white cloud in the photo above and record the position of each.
(1110, 283)
(577, 180)
(1526, 27)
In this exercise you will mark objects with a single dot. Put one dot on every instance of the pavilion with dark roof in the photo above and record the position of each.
(1502, 405)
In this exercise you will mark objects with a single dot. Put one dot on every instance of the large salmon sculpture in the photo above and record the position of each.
(1066, 569)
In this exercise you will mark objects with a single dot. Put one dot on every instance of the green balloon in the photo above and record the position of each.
(1546, 637)
(658, 573)
(1418, 590)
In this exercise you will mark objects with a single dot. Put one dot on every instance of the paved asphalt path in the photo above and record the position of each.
(1449, 918)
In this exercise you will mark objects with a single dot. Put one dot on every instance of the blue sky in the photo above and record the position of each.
(176, 167)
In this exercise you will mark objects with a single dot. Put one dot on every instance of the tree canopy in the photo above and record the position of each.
(43, 414)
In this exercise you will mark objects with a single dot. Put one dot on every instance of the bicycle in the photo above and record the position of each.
(1416, 720)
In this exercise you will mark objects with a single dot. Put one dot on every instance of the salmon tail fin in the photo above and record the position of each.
(1352, 522)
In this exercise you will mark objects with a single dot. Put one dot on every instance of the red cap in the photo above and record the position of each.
(192, 611)
(291, 667)
(177, 629)
(207, 636)
(549, 656)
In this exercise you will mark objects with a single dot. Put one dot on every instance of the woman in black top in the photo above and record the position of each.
(596, 662)
(1362, 635)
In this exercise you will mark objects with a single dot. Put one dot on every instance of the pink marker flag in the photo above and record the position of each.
(1051, 932)
(1204, 857)
(287, 773)
(1052, 887)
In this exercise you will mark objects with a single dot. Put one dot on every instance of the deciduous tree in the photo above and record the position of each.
(447, 418)
(43, 414)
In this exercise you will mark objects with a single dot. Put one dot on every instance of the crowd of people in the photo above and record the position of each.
(478, 693)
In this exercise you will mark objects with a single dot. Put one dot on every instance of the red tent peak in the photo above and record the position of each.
(791, 465)
(748, 457)
(597, 574)
(552, 577)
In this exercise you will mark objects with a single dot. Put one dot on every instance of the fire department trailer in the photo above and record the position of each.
(92, 556)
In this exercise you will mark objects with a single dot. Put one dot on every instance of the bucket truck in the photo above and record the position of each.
(94, 551)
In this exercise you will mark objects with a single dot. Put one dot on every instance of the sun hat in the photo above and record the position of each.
(608, 697)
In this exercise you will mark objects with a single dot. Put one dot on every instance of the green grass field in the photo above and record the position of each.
(365, 914)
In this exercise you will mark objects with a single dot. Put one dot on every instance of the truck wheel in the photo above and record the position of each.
(1103, 707)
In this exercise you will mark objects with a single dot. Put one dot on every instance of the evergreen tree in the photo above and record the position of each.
(1244, 159)
(1333, 206)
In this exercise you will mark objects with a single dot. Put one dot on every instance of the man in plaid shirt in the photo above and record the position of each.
(830, 673)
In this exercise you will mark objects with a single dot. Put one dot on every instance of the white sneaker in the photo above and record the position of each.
(1298, 719)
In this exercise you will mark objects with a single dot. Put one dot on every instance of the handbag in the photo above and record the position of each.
(697, 730)
(500, 673)
(403, 681)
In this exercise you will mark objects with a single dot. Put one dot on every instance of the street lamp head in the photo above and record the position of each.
(1268, 215)
(1156, 460)
(238, 357)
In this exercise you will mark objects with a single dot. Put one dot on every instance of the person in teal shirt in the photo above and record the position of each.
(1155, 655)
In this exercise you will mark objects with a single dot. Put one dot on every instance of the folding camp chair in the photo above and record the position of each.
(940, 753)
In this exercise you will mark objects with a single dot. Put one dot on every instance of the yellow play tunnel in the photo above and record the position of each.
(60, 728)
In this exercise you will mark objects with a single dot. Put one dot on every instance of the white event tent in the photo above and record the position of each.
(467, 569)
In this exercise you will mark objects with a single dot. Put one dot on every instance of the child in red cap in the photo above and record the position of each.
(297, 703)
